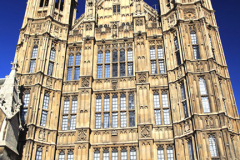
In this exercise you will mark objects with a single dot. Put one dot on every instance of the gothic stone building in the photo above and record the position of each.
(124, 82)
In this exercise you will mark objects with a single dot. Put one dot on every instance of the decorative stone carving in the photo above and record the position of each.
(85, 81)
(41, 136)
(49, 82)
(142, 78)
(82, 135)
(145, 132)
(139, 22)
(114, 133)
(28, 80)
(209, 123)
(187, 127)
(189, 13)
(114, 84)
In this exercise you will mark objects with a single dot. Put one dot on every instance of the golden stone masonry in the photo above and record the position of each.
(122, 82)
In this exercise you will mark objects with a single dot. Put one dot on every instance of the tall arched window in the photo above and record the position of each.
(160, 52)
(61, 156)
(122, 55)
(133, 155)
(69, 69)
(184, 99)
(34, 52)
(170, 155)
(52, 54)
(107, 57)
(123, 154)
(115, 56)
(130, 55)
(213, 146)
(97, 155)
(195, 45)
(204, 95)
(98, 104)
(114, 154)
(100, 57)
(39, 154)
(78, 59)
(156, 100)
(131, 101)
(105, 155)
(176, 43)
(65, 114)
(70, 155)
(160, 153)
(45, 110)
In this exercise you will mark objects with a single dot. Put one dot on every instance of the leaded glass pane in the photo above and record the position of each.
(100, 57)
(26, 99)
(106, 120)
(76, 74)
(66, 107)
(133, 155)
(70, 60)
(123, 102)
(166, 116)
(52, 54)
(160, 52)
(107, 57)
(34, 52)
(50, 68)
(97, 155)
(130, 69)
(123, 119)
(105, 155)
(64, 122)
(118, 8)
(70, 155)
(170, 155)
(73, 122)
(107, 70)
(61, 156)
(106, 103)
(194, 38)
(122, 55)
(190, 150)
(23, 115)
(115, 56)
(115, 154)
(114, 120)
(98, 104)
(183, 91)
(152, 53)
(124, 154)
(161, 66)
(185, 109)
(45, 101)
(115, 102)
(69, 74)
(164, 100)
(131, 119)
(131, 101)
(99, 71)
(157, 117)
(43, 118)
(115, 70)
(205, 103)
(156, 100)
(74, 106)
(213, 147)
(153, 67)
(196, 52)
(39, 154)
(178, 58)
(32, 66)
(176, 43)
(98, 121)
(114, 9)
(160, 153)
(202, 85)
(78, 60)
(122, 69)
(130, 55)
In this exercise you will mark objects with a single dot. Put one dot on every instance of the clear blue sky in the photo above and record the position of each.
(227, 15)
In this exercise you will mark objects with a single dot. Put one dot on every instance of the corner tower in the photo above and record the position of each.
(202, 101)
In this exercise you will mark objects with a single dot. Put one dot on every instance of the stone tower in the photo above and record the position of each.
(124, 82)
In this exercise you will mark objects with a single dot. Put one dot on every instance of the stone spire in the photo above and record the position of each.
(9, 94)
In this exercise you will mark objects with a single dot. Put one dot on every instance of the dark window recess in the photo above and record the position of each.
(114, 9)
(185, 109)
(131, 119)
(178, 58)
(118, 8)
(122, 55)
(122, 69)
(115, 70)
(115, 56)
(59, 4)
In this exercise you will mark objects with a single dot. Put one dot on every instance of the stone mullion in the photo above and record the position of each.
(65, 70)
(161, 107)
(69, 111)
(44, 54)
